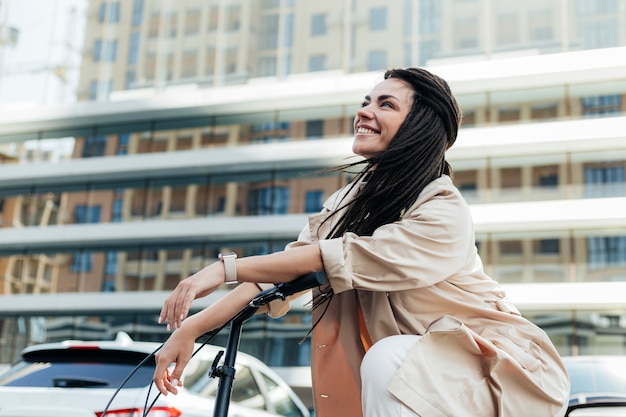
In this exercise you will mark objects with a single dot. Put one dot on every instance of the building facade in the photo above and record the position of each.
(207, 126)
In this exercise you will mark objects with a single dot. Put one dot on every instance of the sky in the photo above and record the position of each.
(50, 36)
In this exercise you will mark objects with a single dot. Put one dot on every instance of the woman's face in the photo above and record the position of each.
(380, 116)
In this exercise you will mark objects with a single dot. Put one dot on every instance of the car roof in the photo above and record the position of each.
(123, 342)
(593, 358)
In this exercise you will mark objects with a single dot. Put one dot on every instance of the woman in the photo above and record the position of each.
(409, 325)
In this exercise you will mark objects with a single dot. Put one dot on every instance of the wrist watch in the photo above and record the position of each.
(230, 267)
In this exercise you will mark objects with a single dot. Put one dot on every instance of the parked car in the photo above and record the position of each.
(77, 379)
(598, 386)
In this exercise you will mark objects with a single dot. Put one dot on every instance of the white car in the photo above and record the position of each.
(78, 379)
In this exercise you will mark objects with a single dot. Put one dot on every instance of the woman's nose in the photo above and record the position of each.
(365, 112)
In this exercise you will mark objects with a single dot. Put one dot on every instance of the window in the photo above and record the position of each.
(510, 247)
(94, 146)
(603, 251)
(83, 260)
(110, 52)
(133, 48)
(427, 50)
(267, 66)
(137, 12)
(117, 210)
(268, 34)
(602, 33)
(97, 50)
(93, 90)
(429, 16)
(317, 63)
(269, 132)
(314, 129)
(131, 77)
(548, 247)
(110, 267)
(313, 201)
(192, 21)
(599, 106)
(378, 18)
(604, 181)
(233, 18)
(268, 200)
(377, 60)
(109, 12)
(318, 25)
(189, 63)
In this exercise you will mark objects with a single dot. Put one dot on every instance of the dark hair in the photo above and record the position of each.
(413, 159)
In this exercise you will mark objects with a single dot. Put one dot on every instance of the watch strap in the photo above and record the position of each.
(230, 267)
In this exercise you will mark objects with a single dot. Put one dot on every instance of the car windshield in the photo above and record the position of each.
(599, 376)
(79, 368)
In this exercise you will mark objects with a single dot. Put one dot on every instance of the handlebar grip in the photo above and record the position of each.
(305, 282)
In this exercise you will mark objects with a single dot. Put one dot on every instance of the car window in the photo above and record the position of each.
(597, 376)
(280, 399)
(245, 389)
(75, 369)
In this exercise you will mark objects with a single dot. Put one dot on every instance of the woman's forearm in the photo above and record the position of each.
(281, 266)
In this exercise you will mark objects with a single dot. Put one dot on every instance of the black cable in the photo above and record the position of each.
(209, 336)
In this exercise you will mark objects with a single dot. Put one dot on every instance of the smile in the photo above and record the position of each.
(366, 131)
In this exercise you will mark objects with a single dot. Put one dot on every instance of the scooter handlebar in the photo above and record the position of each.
(305, 282)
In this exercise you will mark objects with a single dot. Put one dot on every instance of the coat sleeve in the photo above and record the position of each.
(428, 245)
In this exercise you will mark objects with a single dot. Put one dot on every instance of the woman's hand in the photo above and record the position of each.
(202, 283)
(178, 349)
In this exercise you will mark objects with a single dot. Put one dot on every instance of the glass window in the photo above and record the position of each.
(377, 60)
(604, 181)
(117, 210)
(110, 267)
(97, 50)
(281, 400)
(378, 18)
(133, 48)
(427, 50)
(267, 66)
(317, 63)
(192, 21)
(131, 77)
(314, 129)
(268, 36)
(94, 146)
(429, 16)
(109, 12)
(268, 200)
(313, 201)
(548, 247)
(598, 106)
(137, 12)
(318, 25)
(110, 52)
(603, 251)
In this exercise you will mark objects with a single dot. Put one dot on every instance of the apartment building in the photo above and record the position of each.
(207, 126)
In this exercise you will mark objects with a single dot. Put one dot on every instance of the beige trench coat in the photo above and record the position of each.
(422, 275)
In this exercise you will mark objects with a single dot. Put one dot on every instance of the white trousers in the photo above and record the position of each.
(380, 364)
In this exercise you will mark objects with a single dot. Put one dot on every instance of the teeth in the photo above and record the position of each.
(366, 131)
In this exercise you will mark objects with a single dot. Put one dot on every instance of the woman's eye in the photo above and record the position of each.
(386, 104)
(365, 103)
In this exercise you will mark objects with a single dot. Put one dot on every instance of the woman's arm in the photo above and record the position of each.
(274, 268)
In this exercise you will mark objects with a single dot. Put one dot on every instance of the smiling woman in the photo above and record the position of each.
(408, 323)
(380, 117)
